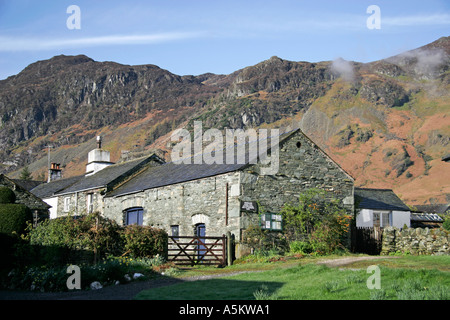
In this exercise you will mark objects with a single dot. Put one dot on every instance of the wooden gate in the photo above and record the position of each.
(197, 250)
(367, 240)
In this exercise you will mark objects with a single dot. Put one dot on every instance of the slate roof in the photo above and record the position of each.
(105, 176)
(27, 184)
(171, 173)
(381, 199)
(47, 190)
(433, 208)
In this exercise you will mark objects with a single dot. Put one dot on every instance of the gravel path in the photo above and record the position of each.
(129, 290)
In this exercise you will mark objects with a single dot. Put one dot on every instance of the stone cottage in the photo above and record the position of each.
(84, 194)
(218, 198)
(39, 208)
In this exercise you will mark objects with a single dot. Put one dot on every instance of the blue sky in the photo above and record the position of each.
(198, 36)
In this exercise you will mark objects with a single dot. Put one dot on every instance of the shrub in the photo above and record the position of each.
(7, 195)
(66, 239)
(264, 240)
(446, 224)
(144, 241)
(317, 220)
(14, 218)
(302, 247)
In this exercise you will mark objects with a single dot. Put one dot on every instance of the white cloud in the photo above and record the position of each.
(343, 68)
(418, 20)
(36, 44)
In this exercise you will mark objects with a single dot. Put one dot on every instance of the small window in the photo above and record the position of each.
(386, 219)
(175, 231)
(134, 216)
(299, 144)
(66, 204)
(376, 219)
(271, 221)
(90, 202)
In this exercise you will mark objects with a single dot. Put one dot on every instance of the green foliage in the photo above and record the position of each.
(302, 247)
(53, 278)
(144, 241)
(264, 240)
(25, 174)
(14, 218)
(446, 224)
(316, 220)
(7, 195)
(91, 232)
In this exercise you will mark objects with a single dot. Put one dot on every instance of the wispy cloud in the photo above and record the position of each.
(417, 20)
(37, 44)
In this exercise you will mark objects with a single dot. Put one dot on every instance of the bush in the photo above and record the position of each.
(264, 240)
(144, 241)
(446, 224)
(14, 218)
(7, 195)
(318, 220)
(302, 247)
(65, 239)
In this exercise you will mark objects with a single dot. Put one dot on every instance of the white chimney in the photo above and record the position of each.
(98, 159)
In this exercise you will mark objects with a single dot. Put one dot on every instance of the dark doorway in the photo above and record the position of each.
(200, 232)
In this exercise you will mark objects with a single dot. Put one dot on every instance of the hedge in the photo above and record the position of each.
(7, 195)
(144, 241)
(66, 240)
(14, 218)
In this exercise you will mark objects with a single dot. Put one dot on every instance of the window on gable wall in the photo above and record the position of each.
(175, 231)
(66, 204)
(90, 202)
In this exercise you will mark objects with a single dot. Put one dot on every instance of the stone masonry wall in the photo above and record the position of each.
(416, 241)
(185, 205)
(302, 166)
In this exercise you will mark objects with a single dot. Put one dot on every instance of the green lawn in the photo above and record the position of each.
(401, 278)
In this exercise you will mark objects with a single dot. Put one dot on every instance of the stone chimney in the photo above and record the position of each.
(54, 172)
(98, 159)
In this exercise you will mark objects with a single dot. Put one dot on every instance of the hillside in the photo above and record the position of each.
(386, 122)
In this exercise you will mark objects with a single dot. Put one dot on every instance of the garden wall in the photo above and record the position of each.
(416, 241)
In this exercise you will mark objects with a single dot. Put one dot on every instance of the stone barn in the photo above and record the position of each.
(221, 198)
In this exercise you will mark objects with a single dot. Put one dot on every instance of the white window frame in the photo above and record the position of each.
(66, 204)
(90, 202)
(385, 218)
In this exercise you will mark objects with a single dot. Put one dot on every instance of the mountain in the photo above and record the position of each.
(386, 122)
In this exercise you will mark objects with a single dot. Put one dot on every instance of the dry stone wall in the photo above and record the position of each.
(416, 241)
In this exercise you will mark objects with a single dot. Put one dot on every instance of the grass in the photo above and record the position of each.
(405, 277)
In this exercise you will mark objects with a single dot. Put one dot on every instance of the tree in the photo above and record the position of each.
(25, 174)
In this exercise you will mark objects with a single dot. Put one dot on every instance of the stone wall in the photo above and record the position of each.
(416, 241)
(302, 166)
(79, 201)
(185, 205)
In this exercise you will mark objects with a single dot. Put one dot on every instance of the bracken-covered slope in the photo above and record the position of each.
(387, 122)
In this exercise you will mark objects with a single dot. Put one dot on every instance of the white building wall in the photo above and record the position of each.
(53, 202)
(364, 218)
(400, 218)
